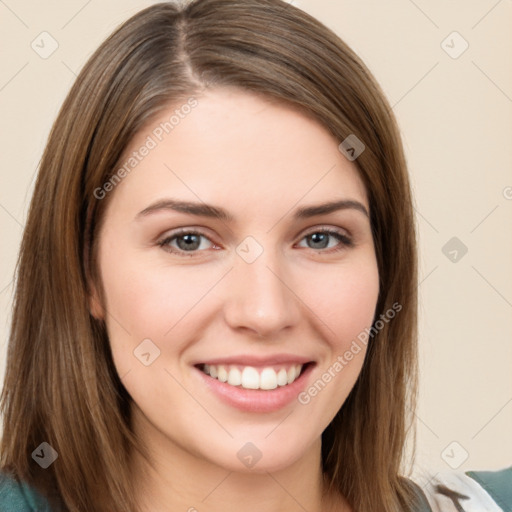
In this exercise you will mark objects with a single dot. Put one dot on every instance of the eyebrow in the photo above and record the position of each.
(216, 212)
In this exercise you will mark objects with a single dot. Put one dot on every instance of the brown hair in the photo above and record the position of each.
(61, 385)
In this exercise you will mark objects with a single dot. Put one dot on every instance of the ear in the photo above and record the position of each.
(95, 307)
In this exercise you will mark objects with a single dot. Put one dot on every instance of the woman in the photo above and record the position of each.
(216, 295)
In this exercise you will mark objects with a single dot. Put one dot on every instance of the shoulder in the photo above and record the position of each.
(473, 491)
(18, 497)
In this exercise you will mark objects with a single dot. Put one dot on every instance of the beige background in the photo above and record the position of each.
(455, 115)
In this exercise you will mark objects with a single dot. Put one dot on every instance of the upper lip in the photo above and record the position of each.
(253, 360)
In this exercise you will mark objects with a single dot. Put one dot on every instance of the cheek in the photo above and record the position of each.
(150, 301)
(146, 301)
(345, 300)
(171, 304)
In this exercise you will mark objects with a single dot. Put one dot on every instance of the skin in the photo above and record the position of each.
(259, 160)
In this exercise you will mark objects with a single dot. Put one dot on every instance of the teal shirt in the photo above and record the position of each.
(498, 485)
(18, 497)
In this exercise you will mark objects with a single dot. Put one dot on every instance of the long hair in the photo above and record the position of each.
(61, 386)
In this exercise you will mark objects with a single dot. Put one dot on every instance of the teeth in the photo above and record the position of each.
(222, 373)
(249, 377)
(268, 379)
(282, 377)
(234, 376)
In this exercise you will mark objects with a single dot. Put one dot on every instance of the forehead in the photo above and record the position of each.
(238, 149)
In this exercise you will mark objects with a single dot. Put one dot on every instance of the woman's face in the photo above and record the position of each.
(218, 249)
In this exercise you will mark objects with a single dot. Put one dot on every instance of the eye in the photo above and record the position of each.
(186, 241)
(324, 238)
(191, 241)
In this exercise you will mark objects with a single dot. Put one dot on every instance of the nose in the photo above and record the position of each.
(260, 297)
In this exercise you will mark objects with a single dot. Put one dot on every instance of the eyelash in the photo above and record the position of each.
(344, 240)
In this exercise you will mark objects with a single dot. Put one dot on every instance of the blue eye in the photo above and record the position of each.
(321, 239)
(185, 241)
(189, 242)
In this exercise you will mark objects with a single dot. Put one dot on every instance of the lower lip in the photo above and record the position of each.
(257, 400)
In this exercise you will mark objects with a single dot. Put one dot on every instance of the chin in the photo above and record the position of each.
(259, 455)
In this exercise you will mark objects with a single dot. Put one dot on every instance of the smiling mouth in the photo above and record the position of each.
(251, 377)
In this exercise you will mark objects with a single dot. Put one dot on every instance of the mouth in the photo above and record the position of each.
(252, 377)
(255, 387)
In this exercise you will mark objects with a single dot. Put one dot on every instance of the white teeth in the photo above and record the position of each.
(222, 373)
(291, 374)
(234, 376)
(250, 378)
(282, 377)
(268, 379)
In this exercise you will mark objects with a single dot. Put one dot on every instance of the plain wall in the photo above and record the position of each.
(455, 113)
